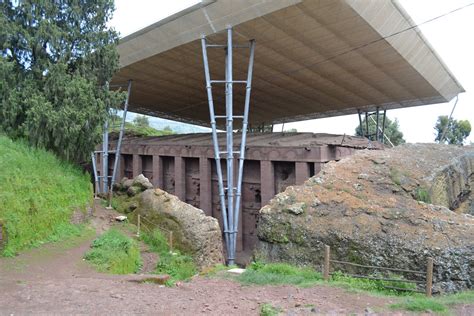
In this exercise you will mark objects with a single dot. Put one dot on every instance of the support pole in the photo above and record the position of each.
(360, 123)
(230, 145)
(96, 178)
(230, 207)
(215, 142)
(243, 142)
(377, 126)
(119, 141)
(383, 126)
(366, 126)
(105, 158)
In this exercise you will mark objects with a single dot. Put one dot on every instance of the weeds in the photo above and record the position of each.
(421, 194)
(115, 253)
(419, 303)
(377, 286)
(279, 273)
(269, 310)
(179, 267)
(38, 193)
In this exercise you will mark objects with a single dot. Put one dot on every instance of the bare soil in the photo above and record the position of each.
(55, 279)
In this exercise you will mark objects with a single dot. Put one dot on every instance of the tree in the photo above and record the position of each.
(56, 58)
(392, 130)
(141, 121)
(456, 131)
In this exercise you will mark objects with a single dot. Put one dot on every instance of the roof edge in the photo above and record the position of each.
(177, 15)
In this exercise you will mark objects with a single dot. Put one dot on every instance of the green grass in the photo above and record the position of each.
(373, 286)
(114, 252)
(279, 273)
(421, 194)
(420, 303)
(180, 267)
(269, 310)
(259, 273)
(38, 193)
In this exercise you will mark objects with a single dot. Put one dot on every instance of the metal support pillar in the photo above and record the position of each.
(105, 157)
(104, 177)
(230, 210)
(119, 141)
(383, 125)
(377, 133)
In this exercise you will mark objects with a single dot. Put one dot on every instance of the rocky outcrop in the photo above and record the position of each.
(194, 233)
(373, 208)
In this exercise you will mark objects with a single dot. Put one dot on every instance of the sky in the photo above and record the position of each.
(451, 36)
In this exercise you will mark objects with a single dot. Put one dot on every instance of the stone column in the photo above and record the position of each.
(136, 165)
(158, 171)
(179, 178)
(267, 180)
(302, 172)
(205, 185)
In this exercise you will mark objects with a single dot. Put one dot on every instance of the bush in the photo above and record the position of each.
(38, 193)
(115, 253)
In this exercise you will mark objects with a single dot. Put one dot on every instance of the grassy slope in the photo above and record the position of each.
(38, 194)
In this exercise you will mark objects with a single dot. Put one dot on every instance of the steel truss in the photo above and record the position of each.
(379, 134)
(233, 192)
(104, 182)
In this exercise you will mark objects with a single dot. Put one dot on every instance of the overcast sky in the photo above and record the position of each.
(452, 37)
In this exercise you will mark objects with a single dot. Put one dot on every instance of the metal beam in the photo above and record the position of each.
(231, 209)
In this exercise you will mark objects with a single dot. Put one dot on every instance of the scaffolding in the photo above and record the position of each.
(231, 194)
(104, 182)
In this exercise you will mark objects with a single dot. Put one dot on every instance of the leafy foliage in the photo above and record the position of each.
(392, 130)
(55, 60)
(456, 131)
(141, 121)
(139, 127)
(114, 252)
(38, 194)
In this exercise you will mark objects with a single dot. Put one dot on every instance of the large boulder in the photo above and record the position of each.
(193, 232)
(374, 208)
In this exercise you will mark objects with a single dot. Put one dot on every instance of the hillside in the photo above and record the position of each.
(38, 195)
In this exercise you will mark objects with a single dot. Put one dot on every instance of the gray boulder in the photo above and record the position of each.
(382, 218)
(193, 232)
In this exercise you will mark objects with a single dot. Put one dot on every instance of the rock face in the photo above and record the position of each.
(373, 208)
(193, 232)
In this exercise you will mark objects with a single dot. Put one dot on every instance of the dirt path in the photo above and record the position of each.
(55, 279)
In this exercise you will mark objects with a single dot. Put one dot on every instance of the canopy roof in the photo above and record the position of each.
(313, 58)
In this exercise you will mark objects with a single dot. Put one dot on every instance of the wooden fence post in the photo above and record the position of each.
(429, 277)
(327, 253)
(138, 226)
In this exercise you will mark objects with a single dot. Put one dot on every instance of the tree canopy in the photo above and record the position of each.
(56, 58)
(456, 131)
(392, 130)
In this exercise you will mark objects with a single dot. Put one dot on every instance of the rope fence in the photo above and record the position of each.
(141, 225)
(428, 273)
